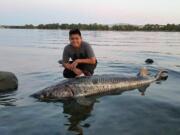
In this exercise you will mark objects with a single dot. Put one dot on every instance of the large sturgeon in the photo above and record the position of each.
(97, 85)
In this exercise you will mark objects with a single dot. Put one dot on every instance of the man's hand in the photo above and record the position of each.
(68, 66)
(77, 71)
(74, 64)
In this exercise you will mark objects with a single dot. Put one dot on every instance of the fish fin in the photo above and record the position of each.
(142, 90)
(85, 101)
(161, 75)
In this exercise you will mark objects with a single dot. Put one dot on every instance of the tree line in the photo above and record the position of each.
(95, 26)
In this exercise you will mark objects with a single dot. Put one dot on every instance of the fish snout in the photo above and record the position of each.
(41, 95)
(57, 94)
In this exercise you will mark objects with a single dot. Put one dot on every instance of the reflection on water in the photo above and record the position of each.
(80, 109)
(76, 114)
(6, 98)
(33, 54)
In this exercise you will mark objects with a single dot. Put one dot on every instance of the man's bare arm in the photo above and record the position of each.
(86, 61)
(72, 68)
(68, 66)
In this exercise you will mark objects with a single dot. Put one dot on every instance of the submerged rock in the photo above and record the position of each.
(8, 81)
(149, 61)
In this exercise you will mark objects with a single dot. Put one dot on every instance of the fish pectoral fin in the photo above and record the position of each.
(85, 101)
(142, 89)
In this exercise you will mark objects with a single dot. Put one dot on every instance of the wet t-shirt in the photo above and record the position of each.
(85, 51)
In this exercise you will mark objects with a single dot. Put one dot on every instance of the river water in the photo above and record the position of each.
(33, 54)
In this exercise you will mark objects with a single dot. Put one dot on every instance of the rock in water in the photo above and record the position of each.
(8, 81)
(149, 61)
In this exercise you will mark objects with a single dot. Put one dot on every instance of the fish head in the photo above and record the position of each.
(57, 93)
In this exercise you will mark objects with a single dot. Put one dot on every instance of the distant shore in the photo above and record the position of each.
(95, 26)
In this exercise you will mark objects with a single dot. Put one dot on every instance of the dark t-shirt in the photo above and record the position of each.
(85, 51)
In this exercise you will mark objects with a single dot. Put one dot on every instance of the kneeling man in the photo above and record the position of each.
(83, 60)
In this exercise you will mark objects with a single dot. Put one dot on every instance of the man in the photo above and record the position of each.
(82, 55)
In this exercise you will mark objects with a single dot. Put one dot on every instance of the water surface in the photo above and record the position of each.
(33, 54)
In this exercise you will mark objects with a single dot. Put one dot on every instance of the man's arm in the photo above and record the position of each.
(68, 66)
(79, 61)
(91, 56)
(65, 59)
(86, 61)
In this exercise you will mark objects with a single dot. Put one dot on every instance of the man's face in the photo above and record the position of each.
(75, 40)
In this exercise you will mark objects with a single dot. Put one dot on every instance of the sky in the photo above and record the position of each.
(20, 12)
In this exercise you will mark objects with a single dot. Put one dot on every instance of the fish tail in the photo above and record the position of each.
(161, 74)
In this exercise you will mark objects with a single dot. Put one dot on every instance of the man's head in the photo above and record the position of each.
(75, 38)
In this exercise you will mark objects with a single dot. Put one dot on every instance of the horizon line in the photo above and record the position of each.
(111, 24)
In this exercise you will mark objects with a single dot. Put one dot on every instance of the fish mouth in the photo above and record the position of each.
(36, 95)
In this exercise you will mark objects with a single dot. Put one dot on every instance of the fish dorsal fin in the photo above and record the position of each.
(143, 72)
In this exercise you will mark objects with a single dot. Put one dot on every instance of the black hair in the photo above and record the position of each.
(74, 31)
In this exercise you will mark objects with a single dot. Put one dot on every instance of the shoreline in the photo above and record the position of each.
(99, 27)
(92, 30)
